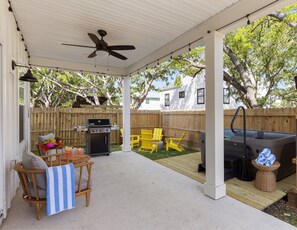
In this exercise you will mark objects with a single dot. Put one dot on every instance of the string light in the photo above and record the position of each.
(248, 20)
(218, 29)
(10, 9)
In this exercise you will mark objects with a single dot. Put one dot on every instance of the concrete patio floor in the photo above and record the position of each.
(133, 192)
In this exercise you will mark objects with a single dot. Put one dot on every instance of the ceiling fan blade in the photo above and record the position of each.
(117, 55)
(121, 47)
(94, 38)
(65, 44)
(93, 54)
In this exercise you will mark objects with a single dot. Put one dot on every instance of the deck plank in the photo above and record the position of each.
(239, 190)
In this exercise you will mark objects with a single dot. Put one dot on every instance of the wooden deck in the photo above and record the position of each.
(239, 190)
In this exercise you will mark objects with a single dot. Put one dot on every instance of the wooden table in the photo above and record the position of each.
(76, 159)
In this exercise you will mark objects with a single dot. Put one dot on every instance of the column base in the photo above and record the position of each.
(215, 192)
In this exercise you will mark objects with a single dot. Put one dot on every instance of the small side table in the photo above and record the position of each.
(265, 177)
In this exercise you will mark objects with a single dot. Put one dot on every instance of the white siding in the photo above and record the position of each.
(152, 102)
(189, 86)
(10, 148)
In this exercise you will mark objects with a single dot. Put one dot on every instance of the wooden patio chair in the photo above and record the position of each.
(149, 140)
(134, 139)
(33, 181)
(175, 143)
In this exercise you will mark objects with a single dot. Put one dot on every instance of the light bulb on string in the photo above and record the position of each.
(248, 20)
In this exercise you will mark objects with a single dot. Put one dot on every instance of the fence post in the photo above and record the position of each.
(57, 128)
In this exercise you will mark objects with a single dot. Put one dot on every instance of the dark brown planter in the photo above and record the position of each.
(292, 197)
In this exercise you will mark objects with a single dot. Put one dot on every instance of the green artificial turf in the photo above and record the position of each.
(115, 148)
(156, 155)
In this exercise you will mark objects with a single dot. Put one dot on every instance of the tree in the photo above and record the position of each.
(260, 59)
(60, 88)
(142, 83)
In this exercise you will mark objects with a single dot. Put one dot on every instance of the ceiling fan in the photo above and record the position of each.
(101, 45)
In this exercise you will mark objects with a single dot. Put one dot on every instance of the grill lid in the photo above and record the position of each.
(97, 122)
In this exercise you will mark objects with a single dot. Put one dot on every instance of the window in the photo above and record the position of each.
(167, 101)
(226, 96)
(21, 111)
(181, 94)
(147, 101)
(200, 96)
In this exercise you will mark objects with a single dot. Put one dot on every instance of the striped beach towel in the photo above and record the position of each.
(60, 194)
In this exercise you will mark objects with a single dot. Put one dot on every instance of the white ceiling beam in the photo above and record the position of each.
(75, 66)
(229, 15)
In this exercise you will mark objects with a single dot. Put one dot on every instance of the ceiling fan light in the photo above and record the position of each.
(102, 53)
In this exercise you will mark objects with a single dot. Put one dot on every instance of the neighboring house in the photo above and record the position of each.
(191, 95)
(152, 101)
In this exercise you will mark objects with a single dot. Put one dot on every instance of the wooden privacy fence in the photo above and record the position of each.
(61, 121)
(174, 122)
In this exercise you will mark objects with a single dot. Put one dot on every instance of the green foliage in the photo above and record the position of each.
(177, 81)
(267, 49)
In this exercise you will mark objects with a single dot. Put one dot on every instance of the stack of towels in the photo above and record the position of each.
(266, 157)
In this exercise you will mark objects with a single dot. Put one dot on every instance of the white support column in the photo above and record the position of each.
(126, 115)
(214, 185)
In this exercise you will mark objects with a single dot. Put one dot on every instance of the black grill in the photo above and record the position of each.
(98, 136)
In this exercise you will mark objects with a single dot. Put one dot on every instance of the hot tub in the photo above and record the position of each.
(282, 145)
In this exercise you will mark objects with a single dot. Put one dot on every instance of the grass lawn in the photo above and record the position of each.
(156, 155)
(114, 148)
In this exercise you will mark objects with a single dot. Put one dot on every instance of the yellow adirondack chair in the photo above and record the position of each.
(134, 139)
(149, 140)
(175, 143)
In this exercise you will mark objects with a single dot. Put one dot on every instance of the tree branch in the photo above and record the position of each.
(280, 16)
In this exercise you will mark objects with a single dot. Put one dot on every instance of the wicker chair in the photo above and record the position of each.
(35, 195)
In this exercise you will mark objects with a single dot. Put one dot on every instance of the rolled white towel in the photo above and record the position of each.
(266, 157)
(266, 152)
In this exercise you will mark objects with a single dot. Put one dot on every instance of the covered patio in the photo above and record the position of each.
(129, 191)
(133, 192)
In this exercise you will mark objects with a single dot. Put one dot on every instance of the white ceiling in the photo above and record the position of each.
(147, 24)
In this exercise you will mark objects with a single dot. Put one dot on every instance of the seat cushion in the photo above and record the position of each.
(42, 191)
(32, 161)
